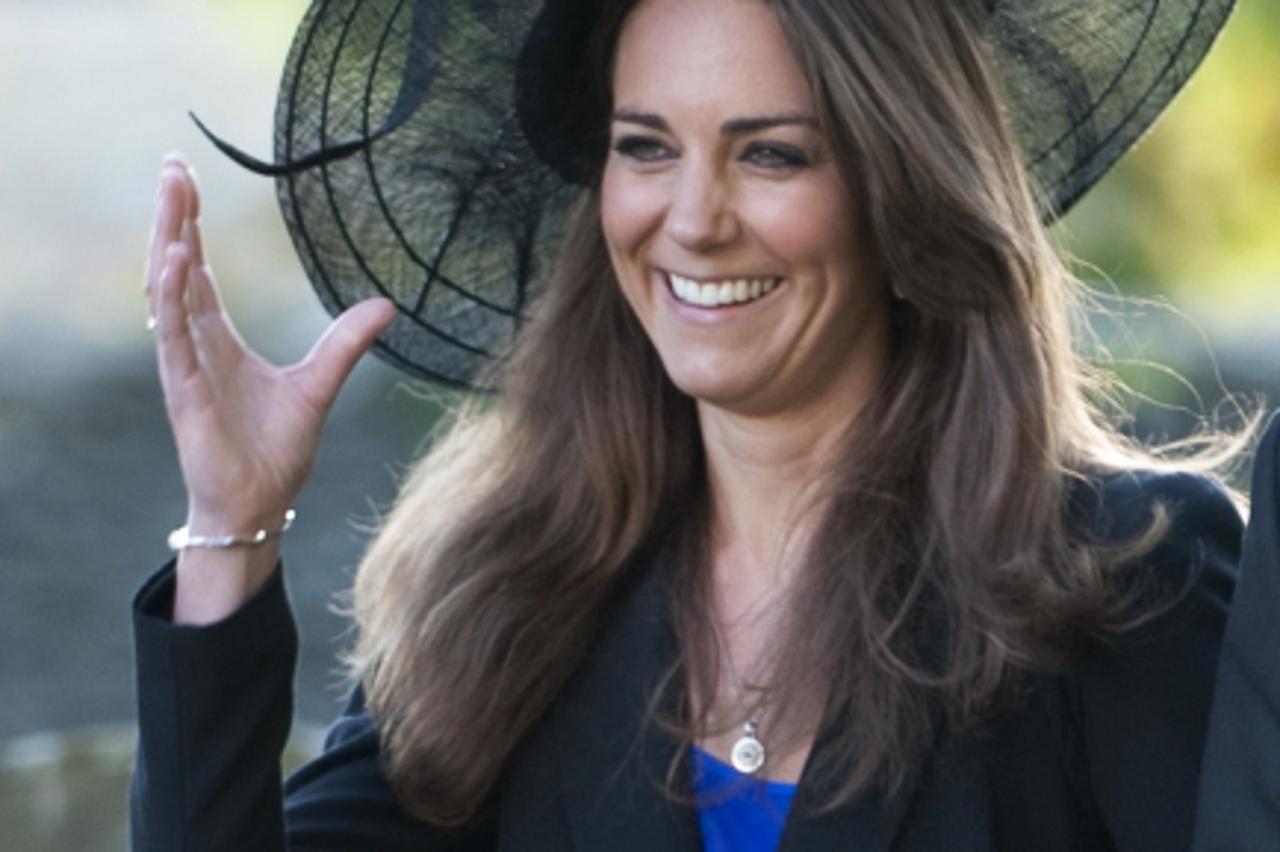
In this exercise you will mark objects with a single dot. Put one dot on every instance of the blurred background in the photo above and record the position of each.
(94, 94)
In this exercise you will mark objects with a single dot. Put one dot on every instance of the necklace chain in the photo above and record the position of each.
(748, 753)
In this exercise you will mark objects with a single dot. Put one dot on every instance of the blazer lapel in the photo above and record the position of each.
(871, 822)
(864, 824)
(613, 760)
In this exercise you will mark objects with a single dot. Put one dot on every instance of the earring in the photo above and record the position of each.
(897, 291)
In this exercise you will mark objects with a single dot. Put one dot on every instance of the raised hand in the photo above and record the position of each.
(246, 430)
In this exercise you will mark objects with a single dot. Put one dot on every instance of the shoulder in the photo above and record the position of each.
(1120, 505)
(1198, 534)
(1171, 601)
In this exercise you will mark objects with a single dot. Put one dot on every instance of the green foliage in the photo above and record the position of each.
(1194, 210)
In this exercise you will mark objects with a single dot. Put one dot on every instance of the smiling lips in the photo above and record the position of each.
(711, 294)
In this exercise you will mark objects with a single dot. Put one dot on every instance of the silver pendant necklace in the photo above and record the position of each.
(748, 752)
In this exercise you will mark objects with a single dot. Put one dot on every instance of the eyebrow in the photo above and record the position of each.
(732, 127)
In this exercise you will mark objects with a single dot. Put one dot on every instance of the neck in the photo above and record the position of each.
(762, 474)
(768, 452)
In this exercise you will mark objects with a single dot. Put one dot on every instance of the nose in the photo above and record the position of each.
(701, 211)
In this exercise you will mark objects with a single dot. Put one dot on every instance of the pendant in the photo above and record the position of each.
(748, 752)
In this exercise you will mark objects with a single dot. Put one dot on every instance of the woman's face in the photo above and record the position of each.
(733, 236)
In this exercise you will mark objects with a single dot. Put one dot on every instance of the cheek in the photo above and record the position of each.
(811, 227)
(629, 212)
(621, 221)
(616, 216)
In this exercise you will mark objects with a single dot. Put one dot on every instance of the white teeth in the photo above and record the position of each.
(726, 292)
(680, 286)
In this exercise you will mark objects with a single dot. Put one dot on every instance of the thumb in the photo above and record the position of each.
(334, 355)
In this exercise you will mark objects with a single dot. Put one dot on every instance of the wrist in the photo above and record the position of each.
(223, 561)
(214, 583)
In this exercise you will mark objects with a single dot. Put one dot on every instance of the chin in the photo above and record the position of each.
(710, 383)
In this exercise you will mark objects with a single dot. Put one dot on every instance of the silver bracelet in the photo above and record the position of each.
(181, 538)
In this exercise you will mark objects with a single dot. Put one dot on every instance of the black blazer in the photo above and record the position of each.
(1103, 756)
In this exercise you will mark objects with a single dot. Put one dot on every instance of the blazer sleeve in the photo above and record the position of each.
(215, 705)
(1142, 700)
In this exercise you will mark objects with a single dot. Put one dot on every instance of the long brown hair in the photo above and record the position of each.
(483, 589)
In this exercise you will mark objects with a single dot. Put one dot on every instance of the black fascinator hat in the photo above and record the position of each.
(429, 150)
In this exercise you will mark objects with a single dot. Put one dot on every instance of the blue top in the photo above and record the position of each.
(738, 813)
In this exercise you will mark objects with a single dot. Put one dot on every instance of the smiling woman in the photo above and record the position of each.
(790, 522)
(720, 173)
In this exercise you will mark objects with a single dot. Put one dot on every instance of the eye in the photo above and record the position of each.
(643, 149)
(774, 155)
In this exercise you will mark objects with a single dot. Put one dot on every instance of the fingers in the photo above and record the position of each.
(193, 189)
(205, 301)
(217, 343)
(174, 347)
(177, 212)
(215, 337)
(331, 360)
(177, 220)
(191, 225)
(195, 240)
(165, 230)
